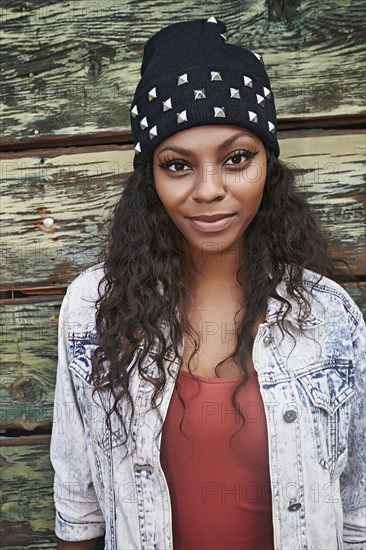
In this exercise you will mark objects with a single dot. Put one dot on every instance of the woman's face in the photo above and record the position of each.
(208, 171)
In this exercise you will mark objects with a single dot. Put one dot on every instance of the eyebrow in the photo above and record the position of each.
(223, 145)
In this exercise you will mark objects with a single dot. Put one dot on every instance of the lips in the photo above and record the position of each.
(211, 218)
(217, 222)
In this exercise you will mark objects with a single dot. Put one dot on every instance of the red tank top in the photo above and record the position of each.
(220, 497)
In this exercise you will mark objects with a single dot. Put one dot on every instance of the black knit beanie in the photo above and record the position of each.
(190, 76)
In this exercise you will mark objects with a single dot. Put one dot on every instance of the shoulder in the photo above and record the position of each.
(329, 300)
(86, 283)
(81, 297)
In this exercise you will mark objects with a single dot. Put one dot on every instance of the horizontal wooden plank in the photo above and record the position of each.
(311, 124)
(25, 440)
(28, 363)
(29, 356)
(27, 518)
(27, 510)
(78, 188)
(70, 68)
(28, 296)
(330, 172)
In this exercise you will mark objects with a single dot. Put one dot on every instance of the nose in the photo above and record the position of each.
(208, 185)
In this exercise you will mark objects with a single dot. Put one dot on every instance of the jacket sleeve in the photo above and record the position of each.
(353, 477)
(78, 515)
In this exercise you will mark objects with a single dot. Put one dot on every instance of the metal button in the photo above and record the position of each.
(294, 505)
(290, 416)
(268, 339)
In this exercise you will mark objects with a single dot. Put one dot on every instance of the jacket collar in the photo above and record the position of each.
(276, 309)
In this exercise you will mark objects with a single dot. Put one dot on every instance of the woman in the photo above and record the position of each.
(210, 386)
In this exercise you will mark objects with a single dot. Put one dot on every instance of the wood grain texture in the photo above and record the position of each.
(27, 519)
(28, 363)
(331, 173)
(71, 68)
(78, 188)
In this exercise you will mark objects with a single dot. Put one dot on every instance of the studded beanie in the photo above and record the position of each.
(190, 76)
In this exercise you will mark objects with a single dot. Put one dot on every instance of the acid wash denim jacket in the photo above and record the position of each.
(313, 391)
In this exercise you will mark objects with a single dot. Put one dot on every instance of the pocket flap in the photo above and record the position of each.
(327, 385)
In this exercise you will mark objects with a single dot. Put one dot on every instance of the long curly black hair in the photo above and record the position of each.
(145, 249)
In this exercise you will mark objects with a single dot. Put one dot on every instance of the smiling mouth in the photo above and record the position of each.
(217, 224)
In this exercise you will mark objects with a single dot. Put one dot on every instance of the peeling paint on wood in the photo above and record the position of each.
(71, 68)
(79, 187)
(27, 497)
(28, 363)
(78, 191)
(331, 173)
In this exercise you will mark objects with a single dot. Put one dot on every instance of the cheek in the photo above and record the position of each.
(250, 188)
(256, 173)
(160, 186)
(172, 192)
(252, 177)
(167, 195)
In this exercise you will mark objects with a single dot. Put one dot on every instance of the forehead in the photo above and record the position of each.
(210, 136)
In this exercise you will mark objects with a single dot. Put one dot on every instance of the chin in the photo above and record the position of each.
(213, 244)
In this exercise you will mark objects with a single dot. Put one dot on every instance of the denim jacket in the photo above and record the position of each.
(313, 390)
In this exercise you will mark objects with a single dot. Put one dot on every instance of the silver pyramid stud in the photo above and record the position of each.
(182, 117)
(199, 94)
(267, 93)
(143, 123)
(271, 127)
(153, 132)
(182, 79)
(253, 117)
(152, 94)
(219, 112)
(134, 111)
(224, 36)
(234, 93)
(259, 56)
(248, 82)
(138, 147)
(215, 75)
(260, 100)
(212, 20)
(167, 105)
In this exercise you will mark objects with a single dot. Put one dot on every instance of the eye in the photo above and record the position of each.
(174, 165)
(239, 157)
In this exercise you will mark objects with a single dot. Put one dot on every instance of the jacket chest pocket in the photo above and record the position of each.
(95, 404)
(327, 386)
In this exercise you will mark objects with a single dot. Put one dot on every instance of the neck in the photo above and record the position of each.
(216, 270)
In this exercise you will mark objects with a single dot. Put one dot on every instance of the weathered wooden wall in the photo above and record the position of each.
(68, 73)
(75, 68)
